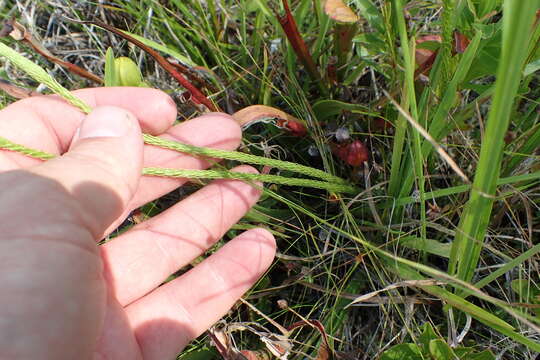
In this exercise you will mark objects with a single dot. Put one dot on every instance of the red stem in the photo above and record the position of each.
(195, 92)
(300, 48)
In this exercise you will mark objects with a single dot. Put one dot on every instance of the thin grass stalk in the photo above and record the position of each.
(202, 174)
(528, 147)
(439, 121)
(225, 174)
(395, 182)
(465, 253)
(237, 156)
(42, 76)
(447, 39)
(531, 179)
(413, 270)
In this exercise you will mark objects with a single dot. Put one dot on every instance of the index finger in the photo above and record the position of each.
(48, 123)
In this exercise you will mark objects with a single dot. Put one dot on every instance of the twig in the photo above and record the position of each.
(19, 33)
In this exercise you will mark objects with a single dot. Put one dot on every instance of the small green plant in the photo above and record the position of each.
(122, 71)
(431, 346)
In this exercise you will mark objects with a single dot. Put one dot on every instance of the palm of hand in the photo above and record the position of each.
(72, 299)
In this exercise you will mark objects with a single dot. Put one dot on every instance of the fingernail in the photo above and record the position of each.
(106, 121)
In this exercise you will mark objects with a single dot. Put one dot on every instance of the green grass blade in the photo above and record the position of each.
(157, 46)
(517, 21)
(418, 160)
(110, 72)
(508, 266)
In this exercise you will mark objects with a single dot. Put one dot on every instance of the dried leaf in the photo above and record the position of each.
(422, 54)
(262, 113)
(461, 42)
(255, 355)
(406, 283)
(338, 11)
(16, 91)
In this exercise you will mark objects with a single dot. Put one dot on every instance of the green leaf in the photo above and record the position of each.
(463, 352)
(427, 245)
(371, 13)
(440, 350)
(428, 334)
(326, 109)
(403, 352)
(487, 60)
(156, 46)
(484, 7)
(110, 73)
(484, 355)
(531, 68)
(127, 72)
(518, 19)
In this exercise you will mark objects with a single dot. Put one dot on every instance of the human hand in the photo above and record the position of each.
(63, 297)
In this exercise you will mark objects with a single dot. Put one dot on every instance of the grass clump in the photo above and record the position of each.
(441, 237)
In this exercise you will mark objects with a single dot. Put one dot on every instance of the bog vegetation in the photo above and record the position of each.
(420, 238)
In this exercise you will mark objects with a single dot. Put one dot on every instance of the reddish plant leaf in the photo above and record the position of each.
(295, 127)
(461, 42)
(424, 55)
(325, 351)
(191, 74)
(331, 71)
(381, 124)
(297, 42)
(260, 113)
(343, 36)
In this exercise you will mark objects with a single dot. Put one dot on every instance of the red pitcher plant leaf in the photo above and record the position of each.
(262, 113)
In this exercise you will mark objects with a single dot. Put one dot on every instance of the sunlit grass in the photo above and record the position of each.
(412, 204)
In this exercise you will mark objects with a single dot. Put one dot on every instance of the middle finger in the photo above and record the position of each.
(140, 260)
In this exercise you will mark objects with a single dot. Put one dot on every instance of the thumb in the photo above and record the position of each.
(103, 166)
